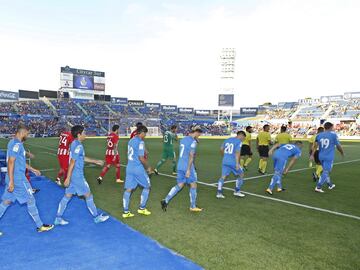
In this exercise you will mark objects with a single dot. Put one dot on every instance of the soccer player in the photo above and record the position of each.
(246, 153)
(63, 155)
(17, 186)
(326, 141)
(230, 151)
(263, 141)
(280, 158)
(137, 171)
(186, 170)
(75, 181)
(283, 137)
(168, 149)
(112, 155)
(134, 133)
(318, 167)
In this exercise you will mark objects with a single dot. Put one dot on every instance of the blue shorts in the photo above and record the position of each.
(135, 177)
(327, 164)
(22, 192)
(77, 187)
(279, 164)
(182, 179)
(228, 169)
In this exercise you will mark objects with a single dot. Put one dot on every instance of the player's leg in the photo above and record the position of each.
(61, 209)
(163, 159)
(98, 218)
(239, 182)
(4, 206)
(225, 171)
(105, 169)
(60, 174)
(248, 161)
(325, 176)
(144, 181)
(118, 169)
(278, 164)
(130, 185)
(174, 163)
(181, 180)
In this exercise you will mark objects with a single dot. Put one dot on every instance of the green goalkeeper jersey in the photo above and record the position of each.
(168, 140)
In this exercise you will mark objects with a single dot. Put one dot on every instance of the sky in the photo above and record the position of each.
(168, 51)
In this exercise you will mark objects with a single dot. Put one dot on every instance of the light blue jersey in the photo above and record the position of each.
(77, 153)
(22, 189)
(78, 184)
(135, 171)
(136, 149)
(231, 146)
(282, 155)
(16, 150)
(187, 145)
(327, 142)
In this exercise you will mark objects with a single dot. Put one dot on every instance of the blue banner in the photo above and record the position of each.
(7, 95)
(153, 106)
(116, 100)
(249, 111)
(186, 110)
(168, 108)
(202, 112)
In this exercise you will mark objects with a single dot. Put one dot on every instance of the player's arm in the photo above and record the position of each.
(273, 148)
(37, 172)
(29, 154)
(340, 149)
(70, 171)
(291, 163)
(222, 151)
(10, 171)
(190, 162)
(94, 161)
(145, 163)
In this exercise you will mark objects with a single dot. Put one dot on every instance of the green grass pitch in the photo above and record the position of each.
(237, 233)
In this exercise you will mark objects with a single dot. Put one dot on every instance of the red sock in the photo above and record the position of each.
(104, 171)
(117, 172)
(60, 173)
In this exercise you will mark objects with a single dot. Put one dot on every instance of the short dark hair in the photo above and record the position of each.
(320, 129)
(328, 125)
(138, 124)
(266, 125)
(283, 128)
(196, 128)
(248, 128)
(115, 127)
(21, 127)
(141, 129)
(173, 127)
(76, 130)
(241, 132)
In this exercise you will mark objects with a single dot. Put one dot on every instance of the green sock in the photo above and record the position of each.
(174, 165)
(160, 163)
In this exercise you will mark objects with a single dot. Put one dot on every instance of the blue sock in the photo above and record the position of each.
(126, 201)
(193, 195)
(3, 208)
(34, 213)
(239, 183)
(279, 182)
(274, 180)
(91, 206)
(144, 197)
(324, 176)
(328, 181)
(62, 206)
(220, 186)
(172, 193)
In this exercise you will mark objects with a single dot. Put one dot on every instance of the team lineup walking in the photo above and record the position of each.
(235, 151)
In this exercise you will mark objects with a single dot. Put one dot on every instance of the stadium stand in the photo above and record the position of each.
(49, 117)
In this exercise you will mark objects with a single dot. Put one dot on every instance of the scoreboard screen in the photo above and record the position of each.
(82, 79)
(226, 100)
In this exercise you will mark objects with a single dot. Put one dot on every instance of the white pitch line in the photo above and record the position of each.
(296, 170)
(278, 200)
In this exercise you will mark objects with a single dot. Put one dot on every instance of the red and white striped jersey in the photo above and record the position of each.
(112, 144)
(64, 143)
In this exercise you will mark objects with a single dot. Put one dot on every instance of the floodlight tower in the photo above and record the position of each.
(227, 84)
